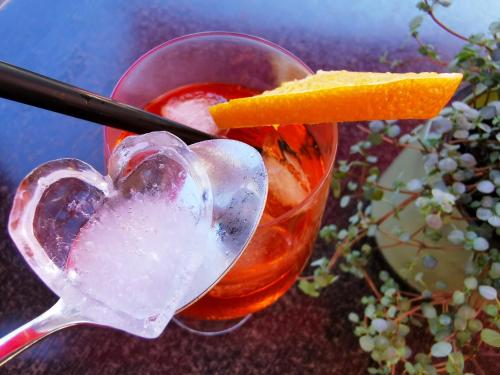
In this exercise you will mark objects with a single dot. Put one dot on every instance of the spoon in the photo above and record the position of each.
(226, 198)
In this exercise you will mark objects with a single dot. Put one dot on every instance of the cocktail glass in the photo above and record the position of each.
(281, 245)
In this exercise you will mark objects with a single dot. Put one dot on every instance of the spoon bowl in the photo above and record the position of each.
(131, 249)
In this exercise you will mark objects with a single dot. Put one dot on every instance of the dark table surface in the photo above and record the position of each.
(90, 43)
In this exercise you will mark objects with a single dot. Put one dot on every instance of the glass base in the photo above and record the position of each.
(210, 327)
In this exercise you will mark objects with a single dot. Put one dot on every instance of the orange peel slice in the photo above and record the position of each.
(336, 96)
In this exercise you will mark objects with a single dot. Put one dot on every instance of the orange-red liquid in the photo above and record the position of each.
(283, 242)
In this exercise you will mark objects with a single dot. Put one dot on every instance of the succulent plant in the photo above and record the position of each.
(461, 154)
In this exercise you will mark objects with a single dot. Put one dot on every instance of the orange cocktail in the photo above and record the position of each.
(179, 80)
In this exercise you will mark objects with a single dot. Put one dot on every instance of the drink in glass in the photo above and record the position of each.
(180, 79)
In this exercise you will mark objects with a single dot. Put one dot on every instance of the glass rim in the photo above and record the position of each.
(291, 212)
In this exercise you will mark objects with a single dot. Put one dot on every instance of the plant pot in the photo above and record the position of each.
(452, 259)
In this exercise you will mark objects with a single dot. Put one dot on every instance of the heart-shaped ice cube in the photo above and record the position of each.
(130, 249)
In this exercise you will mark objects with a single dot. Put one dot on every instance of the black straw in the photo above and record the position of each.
(27, 87)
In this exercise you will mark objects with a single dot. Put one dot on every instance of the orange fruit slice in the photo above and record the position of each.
(342, 96)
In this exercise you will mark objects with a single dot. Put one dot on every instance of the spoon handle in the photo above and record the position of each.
(30, 88)
(54, 319)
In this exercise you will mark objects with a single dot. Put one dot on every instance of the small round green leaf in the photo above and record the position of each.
(366, 343)
(441, 349)
(491, 337)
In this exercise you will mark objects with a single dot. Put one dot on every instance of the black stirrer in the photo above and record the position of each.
(27, 87)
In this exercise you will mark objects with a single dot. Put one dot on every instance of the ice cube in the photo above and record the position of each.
(138, 257)
(69, 203)
(288, 183)
(192, 110)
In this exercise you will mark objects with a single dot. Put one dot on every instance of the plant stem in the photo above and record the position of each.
(419, 245)
(407, 314)
(464, 141)
(409, 293)
(489, 354)
(430, 12)
(443, 26)
(462, 218)
(478, 368)
(390, 140)
(417, 231)
(347, 242)
(371, 284)
(440, 365)
(439, 63)
(306, 278)
(395, 244)
(479, 308)
(340, 249)
(384, 188)
(484, 169)
(419, 298)
(402, 205)
(414, 243)
(448, 338)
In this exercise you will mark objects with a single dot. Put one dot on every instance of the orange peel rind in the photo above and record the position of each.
(336, 96)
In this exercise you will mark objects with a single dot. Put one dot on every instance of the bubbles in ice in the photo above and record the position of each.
(138, 256)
